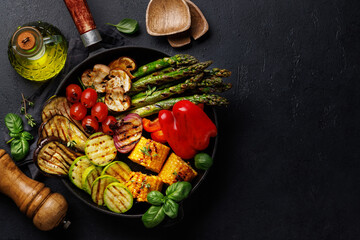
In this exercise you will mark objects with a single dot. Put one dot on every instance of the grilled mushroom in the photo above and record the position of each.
(124, 63)
(96, 77)
(115, 97)
(122, 79)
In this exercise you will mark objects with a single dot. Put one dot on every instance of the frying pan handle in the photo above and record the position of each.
(80, 13)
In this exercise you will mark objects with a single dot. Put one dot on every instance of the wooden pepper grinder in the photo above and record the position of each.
(47, 209)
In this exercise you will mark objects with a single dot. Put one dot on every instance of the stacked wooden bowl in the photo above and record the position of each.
(179, 20)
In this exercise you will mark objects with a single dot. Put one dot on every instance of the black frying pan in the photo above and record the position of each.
(87, 29)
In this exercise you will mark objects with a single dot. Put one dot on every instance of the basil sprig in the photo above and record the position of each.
(19, 138)
(165, 205)
(126, 25)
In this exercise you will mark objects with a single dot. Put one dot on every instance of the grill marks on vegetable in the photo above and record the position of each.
(55, 158)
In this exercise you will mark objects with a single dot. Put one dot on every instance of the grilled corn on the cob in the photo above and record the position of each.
(175, 169)
(141, 184)
(149, 154)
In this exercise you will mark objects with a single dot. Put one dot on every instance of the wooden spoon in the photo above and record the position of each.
(199, 25)
(167, 17)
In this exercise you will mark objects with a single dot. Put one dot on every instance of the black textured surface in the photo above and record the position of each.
(287, 165)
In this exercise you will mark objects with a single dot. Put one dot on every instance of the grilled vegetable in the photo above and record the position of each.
(115, 97)
(148, 110)
(53, 157)
(98, 188)
(118, 198)
(189, 71)
(89, 176)
(62, 128)
(177, 60)
(141, 184)
(149, 154)
(100, 149)
(175, 169)
(96, 77)
(76, 170)
(217, 72)
(118, 170)
(58, 106)
(124, 63)
(128, 132)
(121, 79)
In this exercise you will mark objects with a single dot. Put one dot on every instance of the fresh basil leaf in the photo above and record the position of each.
(153, 216)
(171, 208)
(14, 123)
(127, 25)
(178, 191)
(15, 135)
(155, 198)
(19, 149)
(26, 135)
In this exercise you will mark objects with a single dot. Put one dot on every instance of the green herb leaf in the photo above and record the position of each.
(19, 149)
(127, 25)
(26, 135)
(178, 191)
(14, 123)
(15, 135)
(153, 216)
(155, 198)
(171, 208)
(146, 151)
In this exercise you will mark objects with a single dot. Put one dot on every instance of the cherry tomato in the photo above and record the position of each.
(90, 124)
(73, 93)
(108, 125)
(78, 111)
(88, 97)
(158, 136)
(99, 111)
(151, 126)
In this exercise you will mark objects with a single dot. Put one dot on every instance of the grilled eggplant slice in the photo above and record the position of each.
(89, 176)
(62, 128)
(98, 188)
(58, 106)
(53, 157)
(100, 149)
(118, 198)
(77, 168)
(118, 170)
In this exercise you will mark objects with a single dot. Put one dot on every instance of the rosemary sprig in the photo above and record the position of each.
(146, 151)
(24, 103)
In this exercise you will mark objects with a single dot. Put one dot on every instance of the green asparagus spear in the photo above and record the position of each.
(150, 97)
(217, 72)
(177, 60)
(148, 110)
(143, 83)
(213, 89)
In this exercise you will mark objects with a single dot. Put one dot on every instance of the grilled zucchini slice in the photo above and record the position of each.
(118, 170)
(118, 198)
(89, 176)
(53, 157)
(62, 128)
(98, 188)
(100, 149)
(76, 170)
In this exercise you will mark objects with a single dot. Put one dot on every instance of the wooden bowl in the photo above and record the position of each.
(167, 17)
(199, 25)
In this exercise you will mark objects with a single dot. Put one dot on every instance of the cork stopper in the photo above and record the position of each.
(26, 40)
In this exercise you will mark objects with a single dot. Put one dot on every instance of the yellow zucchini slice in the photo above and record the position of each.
(76, 170)
(118, 170)
(89, 176)
(98, 188)
(118, 198)
(100, 149)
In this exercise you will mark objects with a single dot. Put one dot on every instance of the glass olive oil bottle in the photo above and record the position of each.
(37, 51)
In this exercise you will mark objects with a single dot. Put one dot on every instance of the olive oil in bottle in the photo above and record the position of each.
(37, 51)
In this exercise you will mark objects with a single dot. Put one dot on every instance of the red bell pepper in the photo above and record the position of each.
(158, 136)
(187, 128)
(151, 126)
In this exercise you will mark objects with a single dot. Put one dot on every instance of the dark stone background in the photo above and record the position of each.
(287, 165)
